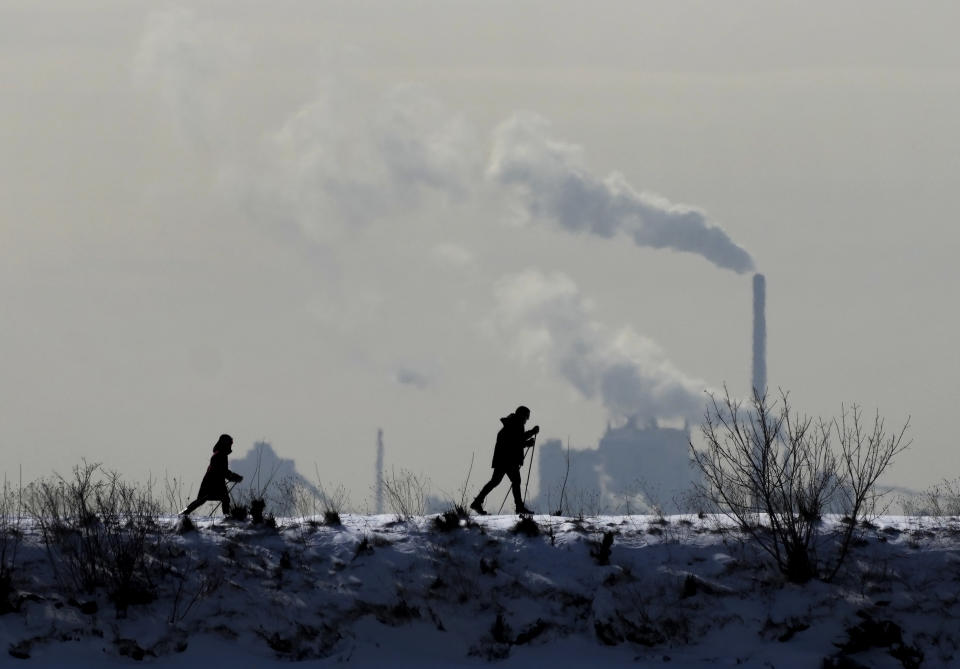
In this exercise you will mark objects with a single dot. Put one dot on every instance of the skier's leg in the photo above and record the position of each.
(192, 506)
(225, 503)
(515, 479)
(491, 484)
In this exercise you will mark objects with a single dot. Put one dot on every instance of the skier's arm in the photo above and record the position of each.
(233, 476)
(529, 435)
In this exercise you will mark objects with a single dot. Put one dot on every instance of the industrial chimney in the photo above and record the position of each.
(759, 334)
(379, 474)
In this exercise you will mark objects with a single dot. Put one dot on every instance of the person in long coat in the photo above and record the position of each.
(213, 488)
(508, 456)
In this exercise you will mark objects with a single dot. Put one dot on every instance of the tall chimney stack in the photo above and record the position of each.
(379, 474)
(759, 334)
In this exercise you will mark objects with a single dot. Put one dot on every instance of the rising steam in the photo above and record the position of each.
(346, 159)
(555, 188)
(549, 321)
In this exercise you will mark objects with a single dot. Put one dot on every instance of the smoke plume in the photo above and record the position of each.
(181, 60)
(348, 158)
(548, 321)
(411, 377)
(547, 174)
(343, 160)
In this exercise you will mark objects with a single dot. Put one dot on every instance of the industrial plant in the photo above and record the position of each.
(641, 466)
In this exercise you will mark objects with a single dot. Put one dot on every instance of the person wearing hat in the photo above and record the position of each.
(213, 488)
(508, 454)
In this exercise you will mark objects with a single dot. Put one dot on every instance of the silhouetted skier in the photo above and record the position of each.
(213, 488)
(508, 457)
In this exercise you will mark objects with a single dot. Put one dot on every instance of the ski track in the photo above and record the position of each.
(416, 596)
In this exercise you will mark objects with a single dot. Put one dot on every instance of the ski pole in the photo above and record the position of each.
(233, 484)
(529, 469)
(504, 501)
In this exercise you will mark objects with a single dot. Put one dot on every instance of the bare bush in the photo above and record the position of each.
(195, 586)
(261, 489)
(460, 507)
(563, 486)
(174, 497)
(284, 496)
(293, 495)
(98, 531)
(775, 473)
(865, 453)
(450, 520)
(333, 502)
(10, 535)
(526, 526)
(942, 499)
(406, 493)
(451, 506)
(586, 503)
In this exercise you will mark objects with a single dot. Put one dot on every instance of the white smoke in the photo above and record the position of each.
(342, 161)
(454, 256)
(348, 158)
(406, 376)
(549, 321)
(181, 61)
(554, 186)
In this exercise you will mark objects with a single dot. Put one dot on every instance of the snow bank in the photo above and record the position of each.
(376, 591)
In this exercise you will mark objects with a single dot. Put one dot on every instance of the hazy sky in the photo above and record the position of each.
(302, 221)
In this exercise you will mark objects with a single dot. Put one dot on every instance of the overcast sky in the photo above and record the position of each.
(303, 221)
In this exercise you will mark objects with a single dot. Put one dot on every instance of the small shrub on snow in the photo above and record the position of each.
(942, 499)
(363, 547)
(495, 646)
(406, 493)
(500, 630)
(257, 508)
(98, 531)
(601, 550)
(871, 633)
(10, 536)
(527, 526)
(450, 520)
(194, 586)
(489, 567)
(185, 525)
(333, 503)
(306, 642)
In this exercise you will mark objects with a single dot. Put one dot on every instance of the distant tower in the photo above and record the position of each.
(759, 334)
(379, 471)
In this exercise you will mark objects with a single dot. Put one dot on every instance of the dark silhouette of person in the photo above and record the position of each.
(213, 488)
(508, 454)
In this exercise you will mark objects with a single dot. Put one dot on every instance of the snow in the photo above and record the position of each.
(379, 591)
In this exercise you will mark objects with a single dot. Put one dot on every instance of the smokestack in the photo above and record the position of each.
(759, 334)
(379, 471)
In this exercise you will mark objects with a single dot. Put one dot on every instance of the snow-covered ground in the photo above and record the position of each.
(376, 591)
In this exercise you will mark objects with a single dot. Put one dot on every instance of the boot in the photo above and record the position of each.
(478, 507)
(522, 510)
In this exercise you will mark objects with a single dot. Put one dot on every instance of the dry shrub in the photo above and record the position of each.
(775, 473)
(406, 493)
(98, 531)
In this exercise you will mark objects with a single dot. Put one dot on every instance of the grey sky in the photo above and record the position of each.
(283, 221)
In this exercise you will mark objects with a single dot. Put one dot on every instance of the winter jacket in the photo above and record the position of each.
(511, 440)
(214, 485)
